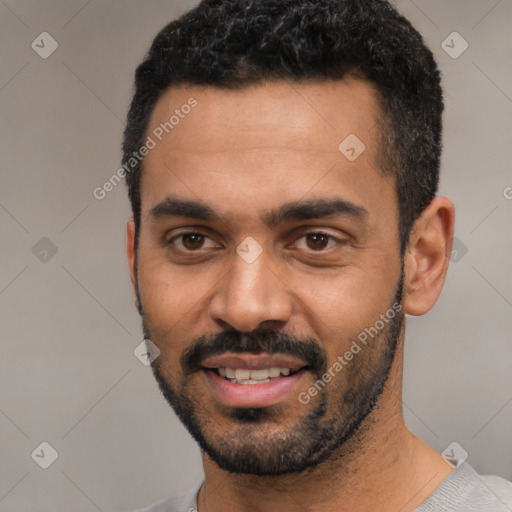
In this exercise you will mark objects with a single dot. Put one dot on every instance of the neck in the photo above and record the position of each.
(382, 467)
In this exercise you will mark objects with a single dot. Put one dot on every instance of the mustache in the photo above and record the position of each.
(263, 341)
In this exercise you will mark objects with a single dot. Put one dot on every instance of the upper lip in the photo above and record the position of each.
(254, 361)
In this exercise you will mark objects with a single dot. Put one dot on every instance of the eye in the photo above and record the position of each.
(316, 241)
(191, 241)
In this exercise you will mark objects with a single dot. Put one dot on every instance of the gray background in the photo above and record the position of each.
(68, 375)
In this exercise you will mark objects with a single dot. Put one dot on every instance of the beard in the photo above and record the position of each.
(262, 441)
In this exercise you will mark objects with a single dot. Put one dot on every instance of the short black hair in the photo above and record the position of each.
(230, 44)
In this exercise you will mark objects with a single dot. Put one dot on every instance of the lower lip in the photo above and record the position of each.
(252, 395)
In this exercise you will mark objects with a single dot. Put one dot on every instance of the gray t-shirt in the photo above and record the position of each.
(463, 490)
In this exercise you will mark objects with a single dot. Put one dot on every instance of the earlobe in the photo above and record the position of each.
(428, 255)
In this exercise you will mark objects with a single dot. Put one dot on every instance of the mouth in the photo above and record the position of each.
(249, 380)
(261, 376)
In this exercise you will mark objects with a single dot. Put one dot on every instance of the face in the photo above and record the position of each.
(268, 268)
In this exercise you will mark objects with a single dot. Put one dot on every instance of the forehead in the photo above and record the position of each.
(320, 112)
(276, 140)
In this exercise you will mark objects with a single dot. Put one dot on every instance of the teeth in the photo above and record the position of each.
(242, 374)
(249, 381)
(259, 374)
(245, 376)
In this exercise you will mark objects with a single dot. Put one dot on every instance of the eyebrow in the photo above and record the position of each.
(314, 209)
(173, 206)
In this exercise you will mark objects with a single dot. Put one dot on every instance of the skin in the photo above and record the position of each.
(244, 153)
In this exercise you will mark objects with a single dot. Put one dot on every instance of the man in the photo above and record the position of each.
(282, 159)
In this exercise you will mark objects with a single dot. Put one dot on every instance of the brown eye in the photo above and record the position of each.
(192, 241)
(317, 241)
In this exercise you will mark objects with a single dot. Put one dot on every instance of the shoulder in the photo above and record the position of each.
(464, 490)
(184, 502)
(499, 487)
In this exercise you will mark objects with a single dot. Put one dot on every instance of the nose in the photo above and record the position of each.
(251, 296)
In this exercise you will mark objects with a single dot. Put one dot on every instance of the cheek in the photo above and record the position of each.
(175, 305)
(171, 294)
(339, 305)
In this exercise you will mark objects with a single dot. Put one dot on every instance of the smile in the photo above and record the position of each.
(245, 376)
(253, 380)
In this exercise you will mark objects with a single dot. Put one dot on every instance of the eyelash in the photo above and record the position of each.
(330, 237)
(186, 233)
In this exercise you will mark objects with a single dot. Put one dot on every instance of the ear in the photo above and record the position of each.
(132, 260)
(428, 255)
